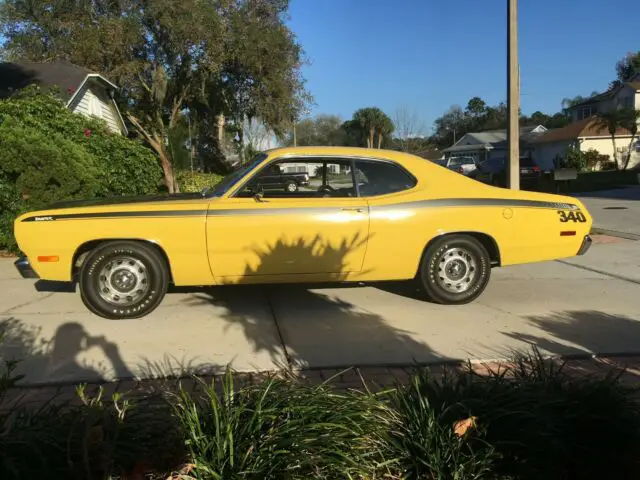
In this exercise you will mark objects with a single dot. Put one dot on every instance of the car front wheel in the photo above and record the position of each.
(455, 270)
(122, 280)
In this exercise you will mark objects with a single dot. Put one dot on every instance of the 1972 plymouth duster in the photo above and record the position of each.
(368, 215)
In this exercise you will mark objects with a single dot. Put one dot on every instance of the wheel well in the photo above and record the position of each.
(487, 241)
(83, 250)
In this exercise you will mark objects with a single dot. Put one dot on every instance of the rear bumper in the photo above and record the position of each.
(586, 244)
(24, 267)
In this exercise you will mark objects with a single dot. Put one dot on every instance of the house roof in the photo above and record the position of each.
(589, 127)
(432, 154)
(61, 73)
(635, 85)
(495, 138)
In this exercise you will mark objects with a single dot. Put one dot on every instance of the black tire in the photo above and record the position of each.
(470, 259)
(291, 187)
(138, 261)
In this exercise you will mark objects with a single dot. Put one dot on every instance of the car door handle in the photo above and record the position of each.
(354, 209)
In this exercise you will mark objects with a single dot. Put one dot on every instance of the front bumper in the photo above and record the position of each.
(24, 267)
(586, 244)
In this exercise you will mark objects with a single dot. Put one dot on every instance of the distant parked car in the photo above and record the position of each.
(494, 172)
(464, 165)
(277, 179)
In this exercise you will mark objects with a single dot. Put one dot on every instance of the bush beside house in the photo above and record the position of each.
(48, 153)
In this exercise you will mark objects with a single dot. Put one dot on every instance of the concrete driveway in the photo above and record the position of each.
(563, 308)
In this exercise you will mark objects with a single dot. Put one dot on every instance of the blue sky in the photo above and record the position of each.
(430, 54)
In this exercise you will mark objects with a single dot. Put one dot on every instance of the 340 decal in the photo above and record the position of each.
(572, 217)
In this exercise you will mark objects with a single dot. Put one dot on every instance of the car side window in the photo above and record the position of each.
(303, 178)
(380, 178)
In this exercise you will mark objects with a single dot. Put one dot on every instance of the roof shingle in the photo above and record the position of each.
(65, 75)
(589, 127)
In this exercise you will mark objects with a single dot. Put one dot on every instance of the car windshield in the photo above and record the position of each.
(230, 180)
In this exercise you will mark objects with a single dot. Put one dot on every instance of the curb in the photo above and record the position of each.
(614, 233)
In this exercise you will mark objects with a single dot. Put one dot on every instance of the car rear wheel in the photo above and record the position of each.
(121, 280)
(455, 270)
(291, 187)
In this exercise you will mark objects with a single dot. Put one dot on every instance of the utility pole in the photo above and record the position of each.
(295, 140)
(513, 99)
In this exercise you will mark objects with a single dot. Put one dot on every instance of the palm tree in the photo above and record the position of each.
(612, 120)
(630, 120)
(367, 119)
(385, 127)
(373, 121)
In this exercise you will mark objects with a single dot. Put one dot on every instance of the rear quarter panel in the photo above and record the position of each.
(444, 202)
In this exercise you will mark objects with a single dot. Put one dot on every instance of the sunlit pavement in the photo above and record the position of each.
(587, 304)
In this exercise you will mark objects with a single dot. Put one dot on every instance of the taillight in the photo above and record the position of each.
(536, 169)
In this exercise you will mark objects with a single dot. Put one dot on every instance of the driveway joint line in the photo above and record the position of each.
(272, 310)
(30, 302)
(601, 272)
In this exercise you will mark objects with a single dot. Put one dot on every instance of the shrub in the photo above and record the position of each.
(48, 153)
(534, 422)
(196, 182)
(575, 158)
(125, 166)
(530, 421)
(277, 429)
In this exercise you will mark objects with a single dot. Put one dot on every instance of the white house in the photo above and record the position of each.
(83, 91)
(493, 144)
(586, 134)
(625, 95)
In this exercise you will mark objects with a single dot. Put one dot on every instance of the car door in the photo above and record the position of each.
(321, 229)
(388, 189)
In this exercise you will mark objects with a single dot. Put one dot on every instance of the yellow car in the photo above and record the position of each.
(354, 215)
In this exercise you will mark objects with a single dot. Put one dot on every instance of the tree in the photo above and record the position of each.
(629, 120)
(230, 58)
(372, 121)
(627, 67)
(611, 121)
(409, 127)
(476, 107)
(321, 130)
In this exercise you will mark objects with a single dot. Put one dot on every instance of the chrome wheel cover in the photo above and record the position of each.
(457, 270)
(123, 281)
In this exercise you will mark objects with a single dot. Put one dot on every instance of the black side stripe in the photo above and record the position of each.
(137, 214)
(436, 203)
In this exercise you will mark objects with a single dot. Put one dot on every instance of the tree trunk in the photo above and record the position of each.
(379, 140)
(167, 170)
(156, 142)
(372, 133)
(629, 151)
(615, 151)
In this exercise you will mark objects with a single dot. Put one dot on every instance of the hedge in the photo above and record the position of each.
(48, 153)
(528, 422)
(195, 181)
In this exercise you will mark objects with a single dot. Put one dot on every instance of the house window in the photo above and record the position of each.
(586, 112)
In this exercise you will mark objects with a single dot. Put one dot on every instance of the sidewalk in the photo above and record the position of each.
(375, 378)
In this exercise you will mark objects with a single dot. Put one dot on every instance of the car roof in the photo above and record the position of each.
(405, 159)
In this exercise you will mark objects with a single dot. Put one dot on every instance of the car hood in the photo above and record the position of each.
(98, 202)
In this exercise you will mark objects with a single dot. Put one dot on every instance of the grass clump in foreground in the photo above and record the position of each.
(530, 421)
